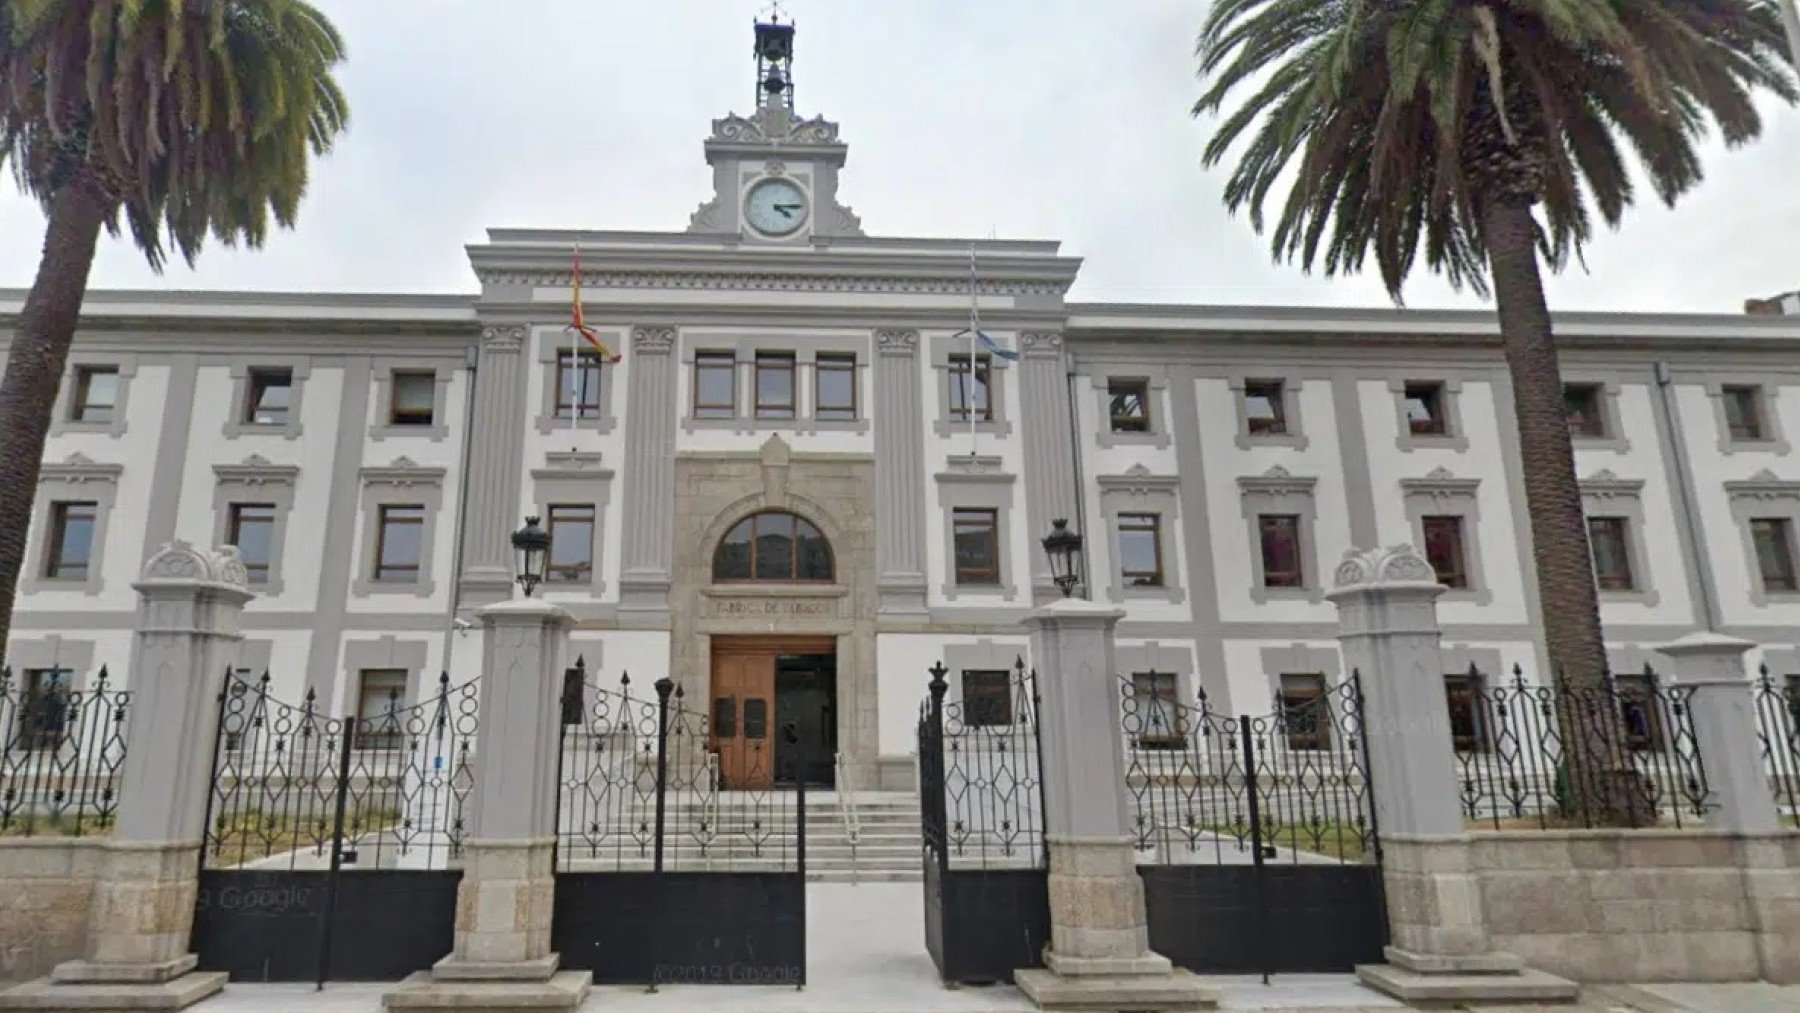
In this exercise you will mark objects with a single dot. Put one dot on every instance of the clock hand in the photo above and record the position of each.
(786, 208)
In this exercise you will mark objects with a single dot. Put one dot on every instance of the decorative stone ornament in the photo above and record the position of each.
(1394, 565)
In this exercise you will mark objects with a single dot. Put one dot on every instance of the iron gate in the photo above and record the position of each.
(331, 843)
(1256, 835)
(981, 796)
(665, 875)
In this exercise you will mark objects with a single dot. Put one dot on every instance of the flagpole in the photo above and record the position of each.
(576, 374)
(974, 336)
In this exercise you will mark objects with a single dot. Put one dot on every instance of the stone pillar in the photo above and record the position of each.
(189, 606)
(1099, 955)
(1441, 952)
(502, 957)
(649, 555)
(899, 474)
(1047, 430)
(1723, 710)
(496, 466)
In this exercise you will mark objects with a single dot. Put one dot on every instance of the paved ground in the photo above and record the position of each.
(866, 952)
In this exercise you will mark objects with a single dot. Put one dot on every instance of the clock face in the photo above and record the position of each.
(776, 207)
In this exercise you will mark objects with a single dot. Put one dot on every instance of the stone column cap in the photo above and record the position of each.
(1705, 642)
(523, 611)
(1074, 612)
(180, 564)
(1397, 568)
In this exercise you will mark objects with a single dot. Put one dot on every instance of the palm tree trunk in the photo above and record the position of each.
(1600, 773)
(34, 368)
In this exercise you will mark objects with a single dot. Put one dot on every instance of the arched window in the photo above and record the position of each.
(776, 547)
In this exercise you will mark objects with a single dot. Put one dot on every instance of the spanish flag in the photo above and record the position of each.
(578, 322)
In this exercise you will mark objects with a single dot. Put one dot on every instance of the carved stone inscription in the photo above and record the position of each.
(789, 607)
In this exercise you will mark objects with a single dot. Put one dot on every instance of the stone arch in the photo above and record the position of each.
(816, 514)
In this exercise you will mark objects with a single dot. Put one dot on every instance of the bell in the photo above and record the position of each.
(775, 42)
(774, 84)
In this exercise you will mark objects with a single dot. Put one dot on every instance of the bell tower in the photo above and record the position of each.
(775, 173)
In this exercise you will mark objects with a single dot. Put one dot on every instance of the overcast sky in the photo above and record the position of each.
(1028, 119)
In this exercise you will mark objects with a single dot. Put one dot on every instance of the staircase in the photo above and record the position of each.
(888, 845)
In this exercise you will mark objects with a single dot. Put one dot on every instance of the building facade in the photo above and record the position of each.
(806, 479)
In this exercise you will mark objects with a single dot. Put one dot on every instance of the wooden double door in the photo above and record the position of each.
(762, 685)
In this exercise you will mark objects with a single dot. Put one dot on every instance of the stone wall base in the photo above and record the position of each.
(503, 904)
(179, 993)
(1175, 992)
(46, 893)
(426, 993)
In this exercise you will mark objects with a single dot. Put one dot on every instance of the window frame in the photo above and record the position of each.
(1457, 526)
(64, 418)
(1765, 497)
(775, 364)
(1144, 420)
(1317, 740)
(1592, 413)
(1622, 531)
(1176, 735)
(836, 362)
(1155, 579)
(1442, 494)
(234, 525)
(56, 535)
(558, 575)
(1279, 493)
(1265, 524)
(707, 361)
(244, 373)
(388, 738)
(1273, 393)
(403, 483)
(975, 579)
(384, 519)
(798, 520)
(1639, 691)
(1767, 399)
(958, 364)
(79, 403)
(1468, 688)
(411, 419)
(1784, 528)
(257, 384)
(1453, 435)
(1729, 394)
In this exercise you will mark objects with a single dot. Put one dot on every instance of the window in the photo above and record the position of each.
(834, 394)
(1425, 409)
(715, 385)
(577, 384)
(971, 394)
(71, 540)
(1130, 401)
(414, 398)
(270, 394)
(987, 698)
(773, 546)
(1140, 550)
(1744, 412)
(1158, 720)
(1468, 729)
(1582, 408)
(1265, 408)
(380, 698)
(401, 534)
(1444, 550)
(1774, 540)
(1610, 541)
(1281, 553)
(1792, 696)
(1639, 712)
(774, 385)
(96, 394)
(44, 716)
(571, 545)
(251, 527)
(1305, 714)
(976, 535)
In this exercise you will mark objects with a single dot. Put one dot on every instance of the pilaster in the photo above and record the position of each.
(899, 474)
(651, 405)
(1047, 426)
(495, 466)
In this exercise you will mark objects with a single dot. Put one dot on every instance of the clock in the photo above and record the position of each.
(776, 207)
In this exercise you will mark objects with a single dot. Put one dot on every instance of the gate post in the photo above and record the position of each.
(502, 956)
(190, 602)
(1099, 956)
(1723, 711)
(1388, 632)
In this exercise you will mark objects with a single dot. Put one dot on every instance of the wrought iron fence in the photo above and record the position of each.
(295, 789)
(61, 753)
(641, 787)
(981, 755)
(1778, 732)
(1622, 752)
(1290, 786)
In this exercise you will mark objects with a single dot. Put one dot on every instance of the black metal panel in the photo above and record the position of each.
(997, 922)
(269, 925)
(1214, 919)
(727, 928)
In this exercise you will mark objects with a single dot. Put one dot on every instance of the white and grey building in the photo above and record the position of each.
(795, 458)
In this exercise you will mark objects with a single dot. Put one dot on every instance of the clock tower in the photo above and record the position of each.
(775, 174)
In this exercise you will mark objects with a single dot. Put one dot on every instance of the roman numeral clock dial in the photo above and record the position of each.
(776, 207)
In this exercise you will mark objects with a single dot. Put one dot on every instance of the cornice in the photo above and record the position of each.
(594, 283)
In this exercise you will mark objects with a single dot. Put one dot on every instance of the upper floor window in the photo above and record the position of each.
(834, 388)
(571, 530)
(773, 546)
(1140, 550)
(1265, 408)
(1609, 539)
(414, 398)
(1773, 538)
(715, 385)
(975, 535)
(577, 384)
(774, 385)
(399, 550)
(1445, 550)
(251, 527)
(268, 396)
(971, 388)
(1427, 414)
(1582, 407)
(1744, 412)
(71, 540)
(96, 394)
(1130, 401)
(1281, 551)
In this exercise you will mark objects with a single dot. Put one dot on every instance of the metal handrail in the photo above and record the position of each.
(846, 792)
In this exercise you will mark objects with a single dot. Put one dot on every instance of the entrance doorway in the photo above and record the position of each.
(760, 686)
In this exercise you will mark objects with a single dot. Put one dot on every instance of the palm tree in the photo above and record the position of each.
(1492, 131)
(178, 119)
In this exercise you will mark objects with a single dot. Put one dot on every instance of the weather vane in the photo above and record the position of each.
(774, 11)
